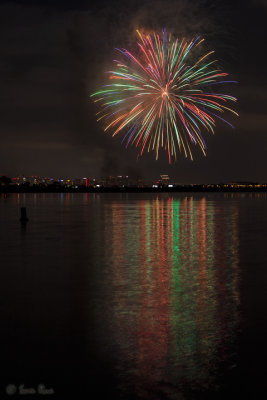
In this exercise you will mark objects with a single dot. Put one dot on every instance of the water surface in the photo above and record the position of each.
(137, 296)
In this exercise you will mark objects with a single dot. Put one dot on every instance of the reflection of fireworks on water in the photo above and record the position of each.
(162, 96)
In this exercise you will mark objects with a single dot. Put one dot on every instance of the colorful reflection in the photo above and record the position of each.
(174, 292)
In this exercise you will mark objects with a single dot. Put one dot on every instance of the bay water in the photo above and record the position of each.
(134, 296)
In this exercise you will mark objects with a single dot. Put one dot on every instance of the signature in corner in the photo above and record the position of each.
(23, 390)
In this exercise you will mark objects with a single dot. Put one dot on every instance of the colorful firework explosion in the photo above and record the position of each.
(162, 96)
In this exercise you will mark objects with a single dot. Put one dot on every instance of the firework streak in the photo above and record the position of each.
(163, 96)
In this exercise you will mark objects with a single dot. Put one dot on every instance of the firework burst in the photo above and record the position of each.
(163, 96)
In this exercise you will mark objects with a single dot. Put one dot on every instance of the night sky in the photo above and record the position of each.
(54, 54)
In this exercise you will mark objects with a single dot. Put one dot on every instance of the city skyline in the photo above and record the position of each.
(126, 183)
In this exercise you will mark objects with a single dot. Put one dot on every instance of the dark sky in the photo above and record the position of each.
(53, 56)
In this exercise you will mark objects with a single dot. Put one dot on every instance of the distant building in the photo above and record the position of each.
(122, 181)
(164, 180)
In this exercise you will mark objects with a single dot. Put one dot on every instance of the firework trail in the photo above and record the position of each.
(163, 95)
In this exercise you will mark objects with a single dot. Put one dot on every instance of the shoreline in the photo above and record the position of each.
(178, 189)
